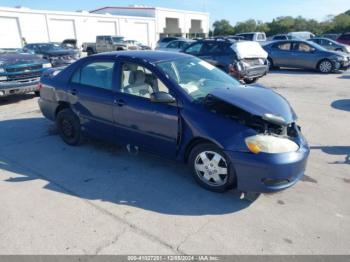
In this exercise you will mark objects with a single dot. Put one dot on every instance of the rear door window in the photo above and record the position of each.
(194, 49)
(284, 46)
(95, 74)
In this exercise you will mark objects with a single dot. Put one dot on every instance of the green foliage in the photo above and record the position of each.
(286, 24)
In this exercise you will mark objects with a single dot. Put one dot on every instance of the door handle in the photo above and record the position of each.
(73, 92)
(119, 102)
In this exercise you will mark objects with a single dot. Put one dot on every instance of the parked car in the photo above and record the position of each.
(330, 44)
(253, 36)
(136, 45)
(162, 42)
(55, 53)
(305, 55)
(244, 60)
(181, 107)
(330, 36)
(176, 45)
(344, 38)
(20, 72)
(281, 37)
(106, 43)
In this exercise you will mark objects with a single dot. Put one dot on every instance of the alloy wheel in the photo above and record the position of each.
(211, 168)
(326, 67)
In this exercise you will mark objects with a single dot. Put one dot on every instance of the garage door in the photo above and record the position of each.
(61, 29)
(137, 31)
(106, 28)
(9, 33)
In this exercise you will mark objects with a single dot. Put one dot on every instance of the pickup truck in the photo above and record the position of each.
(20, 72)
(107, 43)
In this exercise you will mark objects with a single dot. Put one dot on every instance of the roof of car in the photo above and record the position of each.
(149, 55)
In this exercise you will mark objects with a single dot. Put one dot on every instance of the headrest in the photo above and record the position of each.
(137, 77)
(130, 67)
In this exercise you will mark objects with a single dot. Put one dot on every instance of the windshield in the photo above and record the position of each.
(317, 46)
(197, 77)
(118, 39)
(49, 47)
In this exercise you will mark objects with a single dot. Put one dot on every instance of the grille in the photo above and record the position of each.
(25, 68)
(24, 76)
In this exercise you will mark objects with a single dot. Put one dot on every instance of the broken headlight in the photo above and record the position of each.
(270, 144)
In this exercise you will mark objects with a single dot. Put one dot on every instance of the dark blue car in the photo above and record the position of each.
(178, 106)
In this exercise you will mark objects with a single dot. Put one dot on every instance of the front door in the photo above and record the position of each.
(91, 93)
(150, 126)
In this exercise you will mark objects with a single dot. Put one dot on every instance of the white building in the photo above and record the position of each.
(144, 24)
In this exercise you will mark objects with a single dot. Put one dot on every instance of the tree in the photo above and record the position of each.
(223, 27)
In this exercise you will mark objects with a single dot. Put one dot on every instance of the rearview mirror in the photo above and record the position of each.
(162, 97)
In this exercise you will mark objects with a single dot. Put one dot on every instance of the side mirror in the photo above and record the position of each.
(162, 97)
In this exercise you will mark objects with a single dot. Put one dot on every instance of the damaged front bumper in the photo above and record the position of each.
(248, 72)
(265, 173)
(8, 88)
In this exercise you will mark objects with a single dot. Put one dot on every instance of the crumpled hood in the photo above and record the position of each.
(14, 59)
(249, 49)
(257, 101)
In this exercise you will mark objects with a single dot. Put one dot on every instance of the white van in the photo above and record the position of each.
(301, 35)
(253, 36)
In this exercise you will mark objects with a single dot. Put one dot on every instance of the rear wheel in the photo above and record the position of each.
(37, 93)
(68, 126)
(325, 66)
(211, 168)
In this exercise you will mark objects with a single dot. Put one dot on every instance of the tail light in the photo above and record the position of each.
(39, 86)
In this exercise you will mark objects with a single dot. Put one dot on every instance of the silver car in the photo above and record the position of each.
(305, 55)
(176, 46)
(330, 44)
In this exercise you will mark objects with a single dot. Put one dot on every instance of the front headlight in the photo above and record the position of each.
(270, 144)
(341, 58)
(47, 65)
(2, 70)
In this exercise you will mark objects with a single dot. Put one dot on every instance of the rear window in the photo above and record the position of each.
(168, 39)
(345, 37)
(248, 37)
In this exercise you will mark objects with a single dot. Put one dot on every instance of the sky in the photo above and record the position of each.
(232, 10)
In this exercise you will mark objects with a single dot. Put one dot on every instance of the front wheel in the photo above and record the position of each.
(325, 66)
(249, 81)
(68, 126)
(211, 168)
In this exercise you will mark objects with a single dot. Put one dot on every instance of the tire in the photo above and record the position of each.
(325, 66)
(89, 52)
(210, 173)
(37, 93)
(68, 126)
(271, 65)
(249, 81)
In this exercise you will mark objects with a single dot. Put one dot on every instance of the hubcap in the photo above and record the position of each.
(326, 66)
(211, 168)
(67, 128)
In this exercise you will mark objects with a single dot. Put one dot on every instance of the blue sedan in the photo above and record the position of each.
(178, 106)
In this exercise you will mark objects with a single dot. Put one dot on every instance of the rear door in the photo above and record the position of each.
(150, 126)
(218, 53)
(281, 53)
(91, 92)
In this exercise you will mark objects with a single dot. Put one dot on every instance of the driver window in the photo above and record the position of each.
(139, 81)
